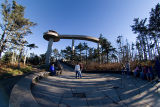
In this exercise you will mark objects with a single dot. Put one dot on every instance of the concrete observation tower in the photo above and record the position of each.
(53, 36)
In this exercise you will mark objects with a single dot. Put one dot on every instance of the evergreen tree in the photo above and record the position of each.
(141, 29)
(154, 26)
(120, 47)
(106, 48)
(80, 48)
(6, 26)
(55, 53)
(15, 27)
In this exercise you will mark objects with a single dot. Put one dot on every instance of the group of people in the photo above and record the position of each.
(144, 72)
(56, 69)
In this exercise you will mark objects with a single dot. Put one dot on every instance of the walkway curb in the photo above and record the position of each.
(21, 95)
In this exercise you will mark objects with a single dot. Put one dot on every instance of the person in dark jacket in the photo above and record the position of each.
(149, 74)
(58, 68)
(52, 70)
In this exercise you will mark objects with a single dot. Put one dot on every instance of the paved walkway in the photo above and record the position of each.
(95, 90)
(6, 86)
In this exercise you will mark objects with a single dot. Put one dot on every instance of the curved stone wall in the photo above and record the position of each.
(21, 95)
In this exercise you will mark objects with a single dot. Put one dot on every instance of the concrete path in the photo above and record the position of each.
(6, 86)
(95, 90)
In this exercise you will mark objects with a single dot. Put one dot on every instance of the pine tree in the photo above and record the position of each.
(154, 26)
(141, 29)
(15, 27)
(5, 26)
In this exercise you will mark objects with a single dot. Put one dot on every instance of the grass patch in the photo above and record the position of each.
(8, 70)
(26, 69)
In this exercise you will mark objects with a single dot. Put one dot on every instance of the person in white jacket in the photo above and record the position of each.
(78, 71)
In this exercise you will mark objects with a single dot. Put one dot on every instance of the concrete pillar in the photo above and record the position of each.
(49, 51)
(72, 49)
(72, 46)
(99, 56)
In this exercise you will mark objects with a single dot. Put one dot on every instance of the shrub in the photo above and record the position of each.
(6, 58)
(26, 69)
(104, 67)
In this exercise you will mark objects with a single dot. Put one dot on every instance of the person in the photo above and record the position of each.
(58, 68)
(78, 71)
(127, 68)
(140, 69)
(149, 73)
(144, 72)
(135, 73)
(157, 67)
(52, 70)
(123, 69)
(81, 68)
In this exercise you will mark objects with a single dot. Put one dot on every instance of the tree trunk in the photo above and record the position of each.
(12, 58)
(2, 48)
(99, 57)
(25, 58)
(19, 59)
(2, 38)
(2, 45)
(86, 57)
(158, 47)
(149, 53)
(145, 54)
(155, 40)
(80, 55)
(20, 56)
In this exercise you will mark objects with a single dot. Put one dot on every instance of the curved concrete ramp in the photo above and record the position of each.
(79, 37)
(53, 36)
(56, 37)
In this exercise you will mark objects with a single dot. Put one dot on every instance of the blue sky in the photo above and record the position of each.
(87, 17)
